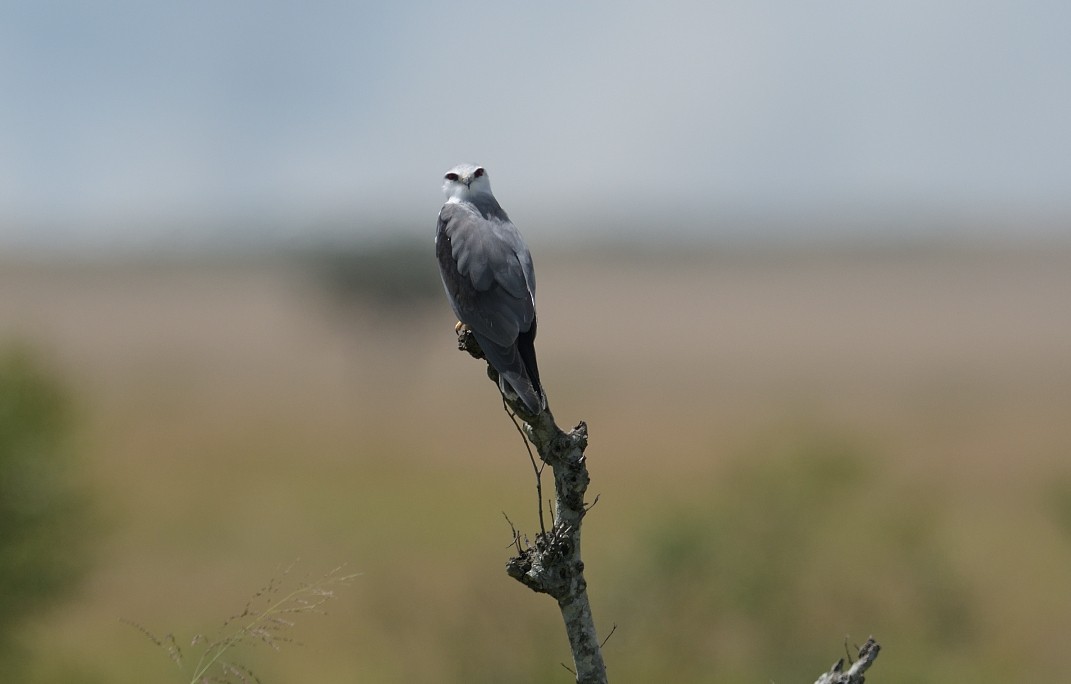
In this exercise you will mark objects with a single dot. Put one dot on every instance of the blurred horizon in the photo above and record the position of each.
(238, 238)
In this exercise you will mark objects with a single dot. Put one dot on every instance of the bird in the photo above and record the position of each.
(487, 272)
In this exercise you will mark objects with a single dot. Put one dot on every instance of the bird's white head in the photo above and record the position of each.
(464, 182)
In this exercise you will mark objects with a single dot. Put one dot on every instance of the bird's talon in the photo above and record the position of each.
(460, 328)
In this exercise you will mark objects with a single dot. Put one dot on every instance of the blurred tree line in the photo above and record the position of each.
(394, 277)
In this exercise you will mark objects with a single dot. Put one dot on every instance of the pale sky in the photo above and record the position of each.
(131, 120)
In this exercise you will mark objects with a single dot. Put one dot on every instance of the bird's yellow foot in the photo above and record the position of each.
(460, 328)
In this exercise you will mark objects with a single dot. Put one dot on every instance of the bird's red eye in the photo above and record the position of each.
(479, 172)
(451, 176)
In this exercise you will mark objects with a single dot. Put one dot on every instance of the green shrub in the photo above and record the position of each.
(42, 549)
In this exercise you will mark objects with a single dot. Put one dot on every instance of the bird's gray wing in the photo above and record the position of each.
(487, 271)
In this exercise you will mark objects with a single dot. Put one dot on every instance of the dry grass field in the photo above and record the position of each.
(789, 447)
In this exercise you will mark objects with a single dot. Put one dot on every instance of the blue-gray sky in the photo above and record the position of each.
(127, 119)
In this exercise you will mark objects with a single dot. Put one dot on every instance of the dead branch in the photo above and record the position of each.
(553, 564)
(854, 675)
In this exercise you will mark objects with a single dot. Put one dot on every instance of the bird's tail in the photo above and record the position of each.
(530, 395)
(526, 350)
(518, 374)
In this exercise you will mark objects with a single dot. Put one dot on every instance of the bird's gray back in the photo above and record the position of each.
(487, 270)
